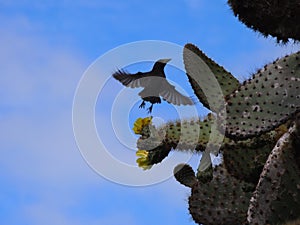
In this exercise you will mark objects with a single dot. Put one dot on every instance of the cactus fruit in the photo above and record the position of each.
(266, 101)
(279, 19)
(226, 81)
(277, 195)
(185, 175)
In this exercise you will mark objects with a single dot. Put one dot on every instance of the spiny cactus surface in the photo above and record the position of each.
(245, 159)
(277, 195)
(266, 101)
(279, 19)
(223, 200)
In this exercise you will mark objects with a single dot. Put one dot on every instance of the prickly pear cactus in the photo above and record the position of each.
(258, 113)
(257, 106)
(255, 167)
(243, 159)
(258, 181)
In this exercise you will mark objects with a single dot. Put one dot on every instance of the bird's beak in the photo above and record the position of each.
(164, 60)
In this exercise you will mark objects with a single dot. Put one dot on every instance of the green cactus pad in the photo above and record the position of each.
(227, 83)
(187, 135)
(191, 135)
(277, 195)
(223, 200)
(266, 101)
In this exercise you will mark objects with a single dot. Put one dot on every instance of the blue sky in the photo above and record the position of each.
(45, 48)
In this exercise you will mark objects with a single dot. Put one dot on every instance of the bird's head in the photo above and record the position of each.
(160, 64)
(164, 61)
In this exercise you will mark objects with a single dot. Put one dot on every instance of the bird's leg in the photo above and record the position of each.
(142, 105)
(150, 109)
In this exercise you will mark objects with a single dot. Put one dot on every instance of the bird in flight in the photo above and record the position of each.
(155, 86)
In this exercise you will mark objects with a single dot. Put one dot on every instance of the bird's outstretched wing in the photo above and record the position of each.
(171, 95)
(131, 80)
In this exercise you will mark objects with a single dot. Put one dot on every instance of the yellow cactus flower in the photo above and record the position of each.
(140, 123)
(137, 127)
(142, 153)
(143, 161)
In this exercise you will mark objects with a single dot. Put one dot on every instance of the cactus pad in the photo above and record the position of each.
(187, 135)
(266, 101)
(277, 195)
(245, 159)
(223, 200)
(205, 87)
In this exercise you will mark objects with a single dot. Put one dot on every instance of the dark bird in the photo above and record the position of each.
(155, 86)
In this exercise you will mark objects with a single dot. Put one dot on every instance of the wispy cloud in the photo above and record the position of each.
(40, 158)
(37, 87)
